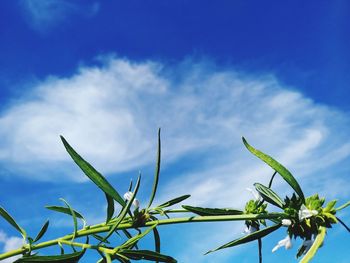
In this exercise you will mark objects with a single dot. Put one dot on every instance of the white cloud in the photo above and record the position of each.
(10, 243)
(110, 115)
(44, 15)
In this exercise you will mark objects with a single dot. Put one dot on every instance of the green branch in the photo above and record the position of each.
(102, 228)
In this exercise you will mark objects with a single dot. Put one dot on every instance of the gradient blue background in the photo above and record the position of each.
(304, 44)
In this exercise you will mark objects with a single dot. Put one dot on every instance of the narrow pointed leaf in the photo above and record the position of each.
(174, 201)
(330, 206)
(212, 211)
(12, 222)
(128, 235)
(248, 238)
(269, 195)
(93, 174)
(66, 211)
(132, 241)
(156, 241)
(66, 258)
(343, 206)
(130, 186)
(110, 207)
(148, 255)
(315, 246)
(116, 256)
(286, 175)
(156, 173)
(75, 222)
(100, 238)
(300, 251)
(125, 209)
(42, 231)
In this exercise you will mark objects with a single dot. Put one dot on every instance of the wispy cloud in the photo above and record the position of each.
(110, 113)
(44, 15)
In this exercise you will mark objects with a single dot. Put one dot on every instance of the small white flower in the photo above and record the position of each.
(286, 222)
(256, 195)
(306, 213)
(249, 230)
(286, 242)
(128, 196)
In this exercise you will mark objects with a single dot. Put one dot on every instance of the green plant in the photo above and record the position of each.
(305, 218)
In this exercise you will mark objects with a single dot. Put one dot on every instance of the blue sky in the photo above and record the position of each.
(107, 74)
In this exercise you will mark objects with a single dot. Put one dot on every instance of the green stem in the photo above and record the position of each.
(84, 246)
(101, 228)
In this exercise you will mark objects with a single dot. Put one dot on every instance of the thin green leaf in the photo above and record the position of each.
(125, 209)
(93, 174)
(147, 255)
(174, 201)
(156, 241)
(301, 251)
(269, 195)
(343, 206)
(132, 241)
(130, 186)
(128, 235)
(42, 231)
(100, 238)
(66, 258)
(286, 175)
(156, 173)
(248, 238)
(330, 206)
(75, 222)
(66, 211)
(12, 222)
(315, 246)
(212, 211)
(110, 207)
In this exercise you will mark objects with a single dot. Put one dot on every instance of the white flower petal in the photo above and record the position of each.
(286, 242)
(275, 248)
(128, 196)
(306, 213)
(286, 222)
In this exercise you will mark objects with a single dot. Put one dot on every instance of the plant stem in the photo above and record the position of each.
(101, 228)
(260, 250)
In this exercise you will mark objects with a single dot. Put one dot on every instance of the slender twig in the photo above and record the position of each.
(271, 180)
(260, 250)
(344, 225)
